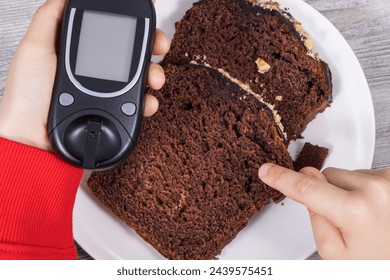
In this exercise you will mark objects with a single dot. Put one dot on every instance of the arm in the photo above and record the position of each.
(37, 190)
(37, 194)
(349, 210)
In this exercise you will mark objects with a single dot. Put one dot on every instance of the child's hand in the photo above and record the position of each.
(25, 106)
(349, 210)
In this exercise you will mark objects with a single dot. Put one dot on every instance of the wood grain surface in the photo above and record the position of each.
(364, 23)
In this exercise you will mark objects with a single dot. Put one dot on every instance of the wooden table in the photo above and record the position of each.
(364, 23)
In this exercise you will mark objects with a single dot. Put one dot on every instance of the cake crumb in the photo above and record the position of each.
(186, 54)
(309, 42)
(277, 118)
(262, 66)
(311, 155)
(298, 27)
(266, 4)
(279, 98)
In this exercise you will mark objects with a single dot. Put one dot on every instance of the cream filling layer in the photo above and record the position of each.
(247, 89)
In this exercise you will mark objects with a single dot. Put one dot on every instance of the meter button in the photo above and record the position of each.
(66, 99)
(129, 109)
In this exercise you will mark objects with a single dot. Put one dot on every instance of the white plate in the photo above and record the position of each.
(280, 231)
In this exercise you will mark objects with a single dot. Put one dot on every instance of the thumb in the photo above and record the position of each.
(312, 191)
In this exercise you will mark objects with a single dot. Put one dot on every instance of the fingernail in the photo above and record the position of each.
(263, 171)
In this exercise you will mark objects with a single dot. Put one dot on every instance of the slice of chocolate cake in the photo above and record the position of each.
(264, 49)
(191, 184)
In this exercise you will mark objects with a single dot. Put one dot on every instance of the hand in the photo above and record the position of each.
(349, 210)
(25, 106)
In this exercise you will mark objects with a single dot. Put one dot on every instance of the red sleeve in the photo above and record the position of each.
(37, 194)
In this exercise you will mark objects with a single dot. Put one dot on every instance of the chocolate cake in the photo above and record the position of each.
(191, 184)
(264, 49)
(242, 81)
(311, 155)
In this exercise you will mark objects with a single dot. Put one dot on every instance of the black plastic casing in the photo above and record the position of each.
(93, 132)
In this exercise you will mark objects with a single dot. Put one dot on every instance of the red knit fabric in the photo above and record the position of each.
(37, 194)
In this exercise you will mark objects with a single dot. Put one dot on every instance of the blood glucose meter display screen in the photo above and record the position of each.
(106, 46)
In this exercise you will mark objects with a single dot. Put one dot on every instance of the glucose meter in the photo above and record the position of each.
(98, 99)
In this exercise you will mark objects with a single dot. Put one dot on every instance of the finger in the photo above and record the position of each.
(44, 25)
(346, 179)
(314, 172)
(161, 43)
(384, 173)
(156, 76)
(320, 196)
(327, 236)
(151, 105)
